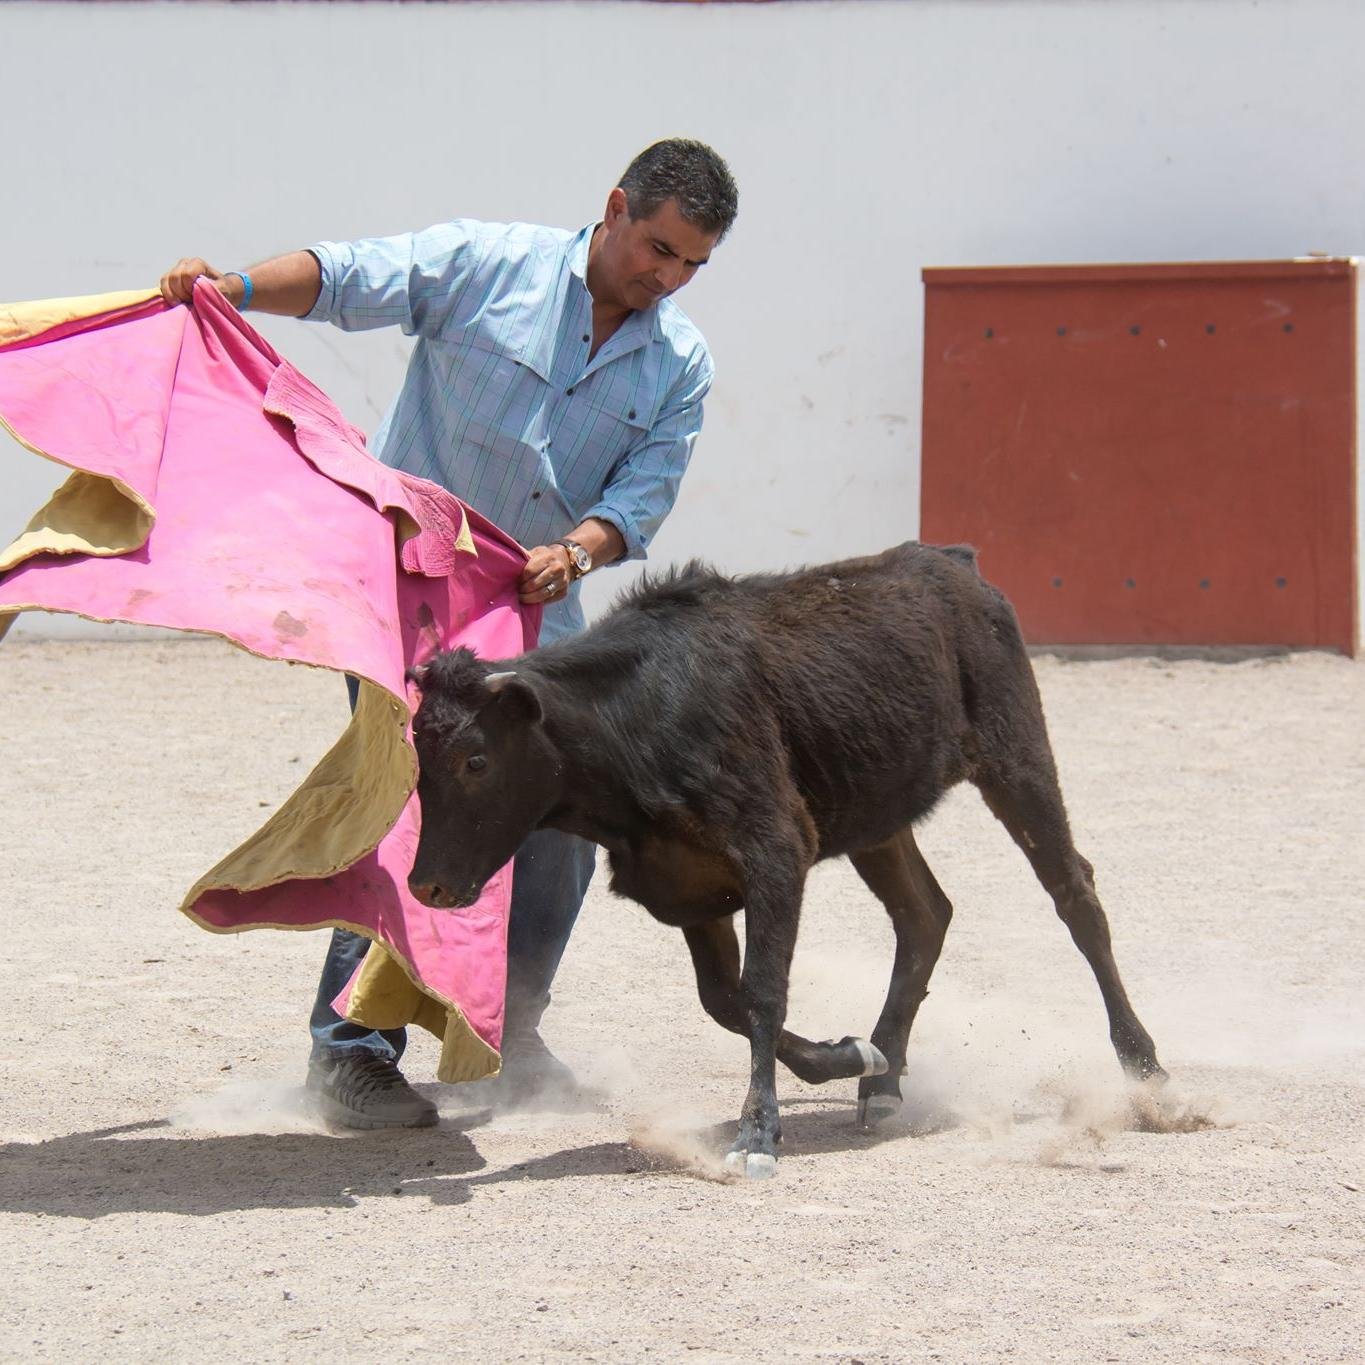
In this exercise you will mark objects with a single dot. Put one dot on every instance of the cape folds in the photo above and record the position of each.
(215, 489)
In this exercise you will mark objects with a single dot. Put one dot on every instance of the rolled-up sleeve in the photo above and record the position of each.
(413, 281)
(644, 485)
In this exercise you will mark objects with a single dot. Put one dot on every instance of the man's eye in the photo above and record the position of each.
(477, 763)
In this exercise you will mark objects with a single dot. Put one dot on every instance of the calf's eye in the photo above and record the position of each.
(477, 763)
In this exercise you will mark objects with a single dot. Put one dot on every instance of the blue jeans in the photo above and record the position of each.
(549, 880)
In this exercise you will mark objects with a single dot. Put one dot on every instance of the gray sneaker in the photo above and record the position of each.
(366, 1090)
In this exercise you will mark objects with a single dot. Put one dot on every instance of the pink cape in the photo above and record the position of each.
(218, 490)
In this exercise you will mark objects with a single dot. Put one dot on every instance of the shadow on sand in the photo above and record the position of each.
(151, 1167)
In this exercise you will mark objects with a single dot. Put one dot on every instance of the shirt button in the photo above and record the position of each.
(535, 495)
(586, 337)
(631, 414)
(569, 390)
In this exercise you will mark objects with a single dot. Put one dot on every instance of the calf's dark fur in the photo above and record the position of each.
(718, 736)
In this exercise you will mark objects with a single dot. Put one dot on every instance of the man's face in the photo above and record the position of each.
(647, 259)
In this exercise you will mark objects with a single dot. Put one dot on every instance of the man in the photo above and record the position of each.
(557, 388)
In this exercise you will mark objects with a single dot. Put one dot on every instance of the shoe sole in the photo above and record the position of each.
(336, 1112)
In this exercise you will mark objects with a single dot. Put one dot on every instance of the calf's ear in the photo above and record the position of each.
(515, 696)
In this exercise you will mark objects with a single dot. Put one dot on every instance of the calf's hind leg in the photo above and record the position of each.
(715, 956)
(1024, 796)
(900, 878)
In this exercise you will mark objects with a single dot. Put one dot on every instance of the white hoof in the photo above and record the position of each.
(751, 1165)
(877, 1109)
(874, 1063)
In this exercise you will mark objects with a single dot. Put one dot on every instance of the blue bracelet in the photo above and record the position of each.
(247, 289)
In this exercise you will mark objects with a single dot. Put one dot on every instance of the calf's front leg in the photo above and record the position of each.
(772, 911)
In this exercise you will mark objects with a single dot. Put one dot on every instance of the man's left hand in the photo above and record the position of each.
(546, 576)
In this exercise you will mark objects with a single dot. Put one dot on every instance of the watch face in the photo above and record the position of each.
(581, 558)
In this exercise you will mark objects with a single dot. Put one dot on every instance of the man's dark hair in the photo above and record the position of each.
(691, 174)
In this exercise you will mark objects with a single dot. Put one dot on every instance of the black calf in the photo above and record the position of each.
(718, 736)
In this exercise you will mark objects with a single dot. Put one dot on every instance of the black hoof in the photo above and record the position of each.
(874, 1110)
(1146, 1070)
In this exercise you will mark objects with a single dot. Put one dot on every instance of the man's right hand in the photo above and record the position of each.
(177, 284)
(287, 285)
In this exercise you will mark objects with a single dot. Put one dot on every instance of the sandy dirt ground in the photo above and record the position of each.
(164, 1196)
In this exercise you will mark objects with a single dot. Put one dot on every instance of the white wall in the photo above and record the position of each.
(868, 139)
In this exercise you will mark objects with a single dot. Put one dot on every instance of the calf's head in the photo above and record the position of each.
(486, 775)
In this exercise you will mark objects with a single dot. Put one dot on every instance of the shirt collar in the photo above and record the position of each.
(578, 252)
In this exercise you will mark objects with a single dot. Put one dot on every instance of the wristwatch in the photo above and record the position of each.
(580, 561)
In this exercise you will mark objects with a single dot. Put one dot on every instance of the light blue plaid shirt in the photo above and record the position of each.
(501, 404)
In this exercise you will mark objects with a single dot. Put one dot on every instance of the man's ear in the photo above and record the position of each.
(515, 696)
(616, 207)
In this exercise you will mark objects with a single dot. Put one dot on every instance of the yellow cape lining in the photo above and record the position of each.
(24, 321)
(345, 806)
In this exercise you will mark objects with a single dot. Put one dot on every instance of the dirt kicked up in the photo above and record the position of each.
(163, 1192)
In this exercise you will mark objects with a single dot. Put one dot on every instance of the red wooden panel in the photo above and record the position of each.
(1154, 454)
